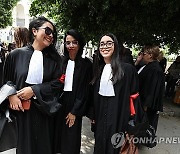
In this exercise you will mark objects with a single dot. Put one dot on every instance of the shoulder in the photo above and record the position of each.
(128, 67)
(18, 51)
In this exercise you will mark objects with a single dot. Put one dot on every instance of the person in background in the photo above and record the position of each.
(78, 72)
(126, 55)
(113, 82)
(2, 58)
(151, 84)
(162, 61)
(174, 75)
(21, 37)
(11, 46)
(34, 70)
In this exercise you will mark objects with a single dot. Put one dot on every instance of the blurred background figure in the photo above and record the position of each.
(126, 55)
(151, 84)
(162, 61)
(173, 76)
(21, 37)
(11, 46)
(2, 58)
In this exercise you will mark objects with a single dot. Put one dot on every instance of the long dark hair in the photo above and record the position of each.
(99, 63)
(51, 49)
(80, 40)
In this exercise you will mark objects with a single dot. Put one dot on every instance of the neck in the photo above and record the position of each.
(37, 46)
(107, 60)
(72, 56)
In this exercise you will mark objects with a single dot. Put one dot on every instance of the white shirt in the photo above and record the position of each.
(35, 72)
(140, 70)
(69, 76)
(106, 85)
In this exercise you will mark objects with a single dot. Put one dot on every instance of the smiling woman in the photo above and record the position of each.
(78, 72)
(114, 82)
(34, 70)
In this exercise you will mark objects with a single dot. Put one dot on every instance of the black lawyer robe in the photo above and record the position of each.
(151, 86)
(35, 126)
(113, 113)
(69, 139)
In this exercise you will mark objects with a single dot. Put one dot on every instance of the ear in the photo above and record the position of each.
(34, 31)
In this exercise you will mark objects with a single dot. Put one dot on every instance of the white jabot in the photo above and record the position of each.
(69, 76)
(141, 69)
(35, 72)
(106, 85)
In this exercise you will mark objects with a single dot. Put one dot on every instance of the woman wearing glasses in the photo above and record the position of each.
(34, 70)
(151, 84)
(114, 82)
(78, 72)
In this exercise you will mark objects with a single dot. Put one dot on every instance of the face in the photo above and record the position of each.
(44, 35)
(106, 47)
(71, 45)
(147, 57)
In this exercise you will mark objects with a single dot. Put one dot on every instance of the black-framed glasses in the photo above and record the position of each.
(48, 31)
(108, 44)
(73, 43)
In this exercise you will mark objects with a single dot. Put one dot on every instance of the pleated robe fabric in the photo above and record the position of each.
(113, 113)
(151, 84)
(68, 140)
(35, 126)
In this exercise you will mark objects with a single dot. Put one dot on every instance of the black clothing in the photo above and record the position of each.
(126, 56)
(153, 117)
(2, 58)
(163, 63)
(151, 86)
(112, 113)
(35, 126)
(68, 140)
(151, 90)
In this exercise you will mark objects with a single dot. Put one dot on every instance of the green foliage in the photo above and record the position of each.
(134, 22)
(6, 12)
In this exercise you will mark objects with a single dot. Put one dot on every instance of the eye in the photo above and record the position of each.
(67, 42)
(75, 42)
(101, 44)
(109, 43)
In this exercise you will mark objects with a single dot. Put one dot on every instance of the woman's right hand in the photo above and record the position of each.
(15, 103)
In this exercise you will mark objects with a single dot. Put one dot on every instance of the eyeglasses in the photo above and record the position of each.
(73, 43)
(48, 31)
(108, 44)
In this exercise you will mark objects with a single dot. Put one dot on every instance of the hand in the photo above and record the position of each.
(25, 93)
(15, 103)
(92, 121)
(70, 119)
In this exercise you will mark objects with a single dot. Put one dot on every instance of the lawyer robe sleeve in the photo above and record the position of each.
(153, 89)
(81, 100)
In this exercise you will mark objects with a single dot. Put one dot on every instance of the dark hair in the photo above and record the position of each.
(99, 63)
(78, 38)
(21, 36)
(51, 49)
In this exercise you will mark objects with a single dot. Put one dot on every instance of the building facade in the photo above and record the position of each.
(20, 16)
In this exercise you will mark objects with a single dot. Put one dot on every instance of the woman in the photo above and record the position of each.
(114, 82)
(33, 69)
(174, 75)
(151, 84)
(78, 72)
(21, 37)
